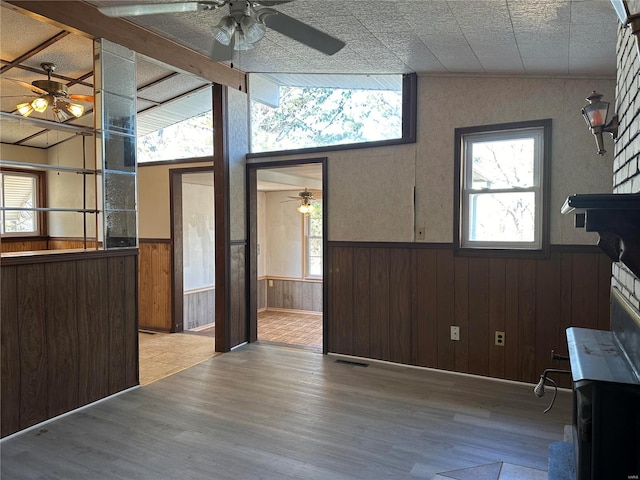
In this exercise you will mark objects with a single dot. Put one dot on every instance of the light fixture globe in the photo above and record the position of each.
(253, 31)
(224, 31)
(595, 113)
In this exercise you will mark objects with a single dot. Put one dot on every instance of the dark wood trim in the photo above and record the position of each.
(252, 253)
(26, 238)
(554, 248)
(361, 244)
(50, 256)
(176, 162)
(543, 252)
(177, 274)
(222, 217)
(409, 127)
(326, 256)
(252, 223)
(84, 19)
(154, 240)
(410, 107)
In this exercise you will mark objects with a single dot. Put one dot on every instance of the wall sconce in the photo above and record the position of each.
(629, 14)
(595, 114)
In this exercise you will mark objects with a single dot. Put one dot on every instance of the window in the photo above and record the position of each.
(294, 112)
(313, 241)
(501, 200)
(19, 190)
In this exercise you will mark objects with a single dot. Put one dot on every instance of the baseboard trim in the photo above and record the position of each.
(62, 415)
(290, 310)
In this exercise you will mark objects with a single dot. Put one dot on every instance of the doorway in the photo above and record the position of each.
(193, 233)
(287, 245)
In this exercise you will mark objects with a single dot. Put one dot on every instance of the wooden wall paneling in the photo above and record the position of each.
(566, 301)
(379, 303)
(445, 308)
(154, 285)
(584, 295)
(400, 309)
(341, 300)
(9, 353)
(275, 294)
(117, 324)
(262, 294)
(497, 308)
(604, 290)
(512, 309)
(62, 337)
(527, 326)
(292, 295)
(548, 308)
(30, 287)
(316, 298)
(131, 320)
(361, 302)
(22, 246)
(478, 316)
(461, 313)
(426, 295)
(93, 330)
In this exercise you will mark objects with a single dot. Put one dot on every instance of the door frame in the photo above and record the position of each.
(177, 244)
(252, 242)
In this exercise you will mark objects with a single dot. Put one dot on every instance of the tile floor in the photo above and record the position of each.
(304, 330)
(494, 471)
(163, 354)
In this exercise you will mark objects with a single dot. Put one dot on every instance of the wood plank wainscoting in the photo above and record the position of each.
(154, 284)
(69, 332)
(396, 302)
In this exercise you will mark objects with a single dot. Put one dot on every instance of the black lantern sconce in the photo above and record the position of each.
(595, 114)
(629, 14)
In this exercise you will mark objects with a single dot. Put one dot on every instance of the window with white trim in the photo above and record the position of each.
(18, 194)
(313, 241)
(501, 200)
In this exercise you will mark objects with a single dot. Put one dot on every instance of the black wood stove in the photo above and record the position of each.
(606, 396)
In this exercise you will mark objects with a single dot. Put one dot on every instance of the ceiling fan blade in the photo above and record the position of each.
(300, 31)
(33, 88)
(81, 98)
(156, 8)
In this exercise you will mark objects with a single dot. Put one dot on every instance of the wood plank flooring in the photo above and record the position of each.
(269, 412)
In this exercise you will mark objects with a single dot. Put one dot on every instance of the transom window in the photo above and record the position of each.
(18, 194)
(501, 198)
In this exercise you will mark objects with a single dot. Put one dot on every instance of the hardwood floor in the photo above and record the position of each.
(269, 412)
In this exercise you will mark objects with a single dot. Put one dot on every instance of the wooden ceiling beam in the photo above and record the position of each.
(84, 19)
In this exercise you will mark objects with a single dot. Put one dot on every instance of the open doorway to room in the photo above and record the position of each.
(290, 208)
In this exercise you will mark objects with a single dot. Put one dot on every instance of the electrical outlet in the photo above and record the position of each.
(455, 332)
(500, 338)
(271, 283)
(420, 233)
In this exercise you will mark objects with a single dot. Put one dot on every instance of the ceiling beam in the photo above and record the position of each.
(84, 19)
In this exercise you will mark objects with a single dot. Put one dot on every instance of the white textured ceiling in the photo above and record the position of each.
(566, 37)
(512, 37)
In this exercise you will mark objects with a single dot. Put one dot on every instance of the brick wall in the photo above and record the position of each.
(626, 165)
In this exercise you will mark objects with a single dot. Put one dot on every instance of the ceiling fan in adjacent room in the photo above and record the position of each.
(51, 94)
(244, 26)
(306, 199)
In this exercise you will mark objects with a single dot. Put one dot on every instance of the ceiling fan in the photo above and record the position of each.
(242, 28)
(52, 94)
(306, 200)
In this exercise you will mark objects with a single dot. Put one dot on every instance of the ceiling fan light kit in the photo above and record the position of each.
(52, 94)
(244, 26)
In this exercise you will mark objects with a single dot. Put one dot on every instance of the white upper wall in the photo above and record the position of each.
(283, 226)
